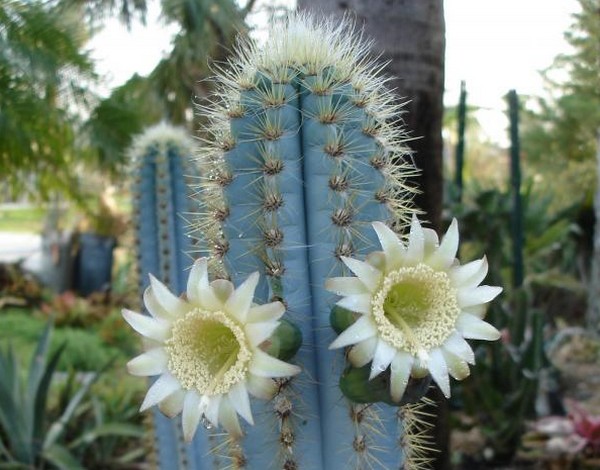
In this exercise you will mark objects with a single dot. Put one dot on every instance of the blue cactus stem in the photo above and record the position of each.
(340, 199)
(161, 198)
(302, 137)
(265, 201)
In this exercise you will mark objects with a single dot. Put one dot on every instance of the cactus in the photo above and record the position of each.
(302, 176)
(304, 148)
(161, 198)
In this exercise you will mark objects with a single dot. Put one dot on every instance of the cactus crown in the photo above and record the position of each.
(159, 138)
(330, 61)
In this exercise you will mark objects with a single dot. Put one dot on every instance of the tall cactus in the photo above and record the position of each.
(303, 175)
(304, 150)
(160, 164)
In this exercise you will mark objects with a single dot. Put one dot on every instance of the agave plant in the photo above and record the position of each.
(25, 437)
(32, 433)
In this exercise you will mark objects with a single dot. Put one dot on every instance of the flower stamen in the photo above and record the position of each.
(415, 308)
(208, 352)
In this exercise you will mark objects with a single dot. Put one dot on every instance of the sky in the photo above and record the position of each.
(493, 45)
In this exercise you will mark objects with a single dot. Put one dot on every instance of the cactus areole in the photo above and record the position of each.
(303, 176)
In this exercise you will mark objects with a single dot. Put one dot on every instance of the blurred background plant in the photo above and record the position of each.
(525, 377)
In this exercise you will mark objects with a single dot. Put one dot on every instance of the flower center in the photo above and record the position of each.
(208, 352)
(415, 309)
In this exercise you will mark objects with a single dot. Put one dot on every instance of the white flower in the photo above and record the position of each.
(206, 350)
(416, 306)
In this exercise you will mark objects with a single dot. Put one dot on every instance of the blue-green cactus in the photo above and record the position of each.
(162, 175)
(304, 150)
(302, 167)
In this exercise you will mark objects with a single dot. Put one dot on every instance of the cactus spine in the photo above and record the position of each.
(303, 150)
(161, 198)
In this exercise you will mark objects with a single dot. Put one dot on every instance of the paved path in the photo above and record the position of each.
(17, 246)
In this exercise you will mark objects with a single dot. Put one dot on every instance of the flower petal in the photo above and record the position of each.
(167, 300)
(173, 404)
(432, 241)
(360, 303)
(439, 371)
(154, 308)
(229, 418)
(191, 415)
(384, 353)
(470, 274)
(368, 275)
(477, 310)
(345, 286)
(266, 312)
(258, 332)
(472, 327)
(209, 407)
(159, 390)
(419, 368)
(261, 387)
(457, 345)
(377, 260)
(199, 291)
(360, 330)
(238, 395)
(147, 326)
(152, 362)
(400, 374)
(390, 243)
(444, 256)
(362, 353)
(240, 301)
(197, 273)
(416, 243)
(264, 365)
(477, 295)
(457, 368)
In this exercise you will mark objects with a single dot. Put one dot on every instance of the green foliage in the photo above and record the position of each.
(45, 421)
(84, 349)
(27, 437)
(549, 240)
(127, 10)
(503, 388)
(559, 134)
(22, 219)
(113, 333)
(107, 432)
(126, 112)
(41, 72)
(208, 29)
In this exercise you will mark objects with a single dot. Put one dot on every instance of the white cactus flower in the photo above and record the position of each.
(416, 306)
(205, 350)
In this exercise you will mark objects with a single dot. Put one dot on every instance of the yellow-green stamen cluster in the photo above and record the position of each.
(415, 308)
(208, 352)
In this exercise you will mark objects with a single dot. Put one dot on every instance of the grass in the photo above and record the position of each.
(22, 219)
